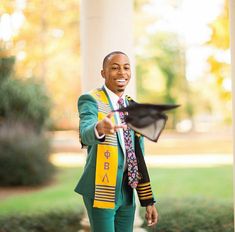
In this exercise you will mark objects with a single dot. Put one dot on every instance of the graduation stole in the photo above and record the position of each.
(106, 159)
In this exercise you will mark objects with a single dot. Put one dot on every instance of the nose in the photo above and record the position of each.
(121, 70)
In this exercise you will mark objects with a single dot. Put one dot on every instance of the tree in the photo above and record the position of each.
(24, 111)
(219, 66)
(160, 66)
(161, 74)
(47, 47)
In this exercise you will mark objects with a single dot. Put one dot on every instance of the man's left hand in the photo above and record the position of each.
(151, 215)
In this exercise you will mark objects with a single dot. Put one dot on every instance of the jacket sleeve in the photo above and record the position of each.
(88, 114)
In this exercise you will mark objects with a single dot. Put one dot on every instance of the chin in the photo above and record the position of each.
(121, 89)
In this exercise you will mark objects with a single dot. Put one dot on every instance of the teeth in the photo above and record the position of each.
(121, 80)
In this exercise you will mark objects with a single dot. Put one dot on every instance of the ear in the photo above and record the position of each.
(102, 73)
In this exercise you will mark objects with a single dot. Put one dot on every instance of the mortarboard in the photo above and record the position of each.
(147, 119)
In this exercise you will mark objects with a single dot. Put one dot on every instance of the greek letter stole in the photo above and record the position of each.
(107, 158)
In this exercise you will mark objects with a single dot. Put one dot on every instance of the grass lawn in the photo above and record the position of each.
(205, 183)
(212, 183)
(59, 195)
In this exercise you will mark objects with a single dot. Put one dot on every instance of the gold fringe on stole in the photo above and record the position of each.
(106, 160)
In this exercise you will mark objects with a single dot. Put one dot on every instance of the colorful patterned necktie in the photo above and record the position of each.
(132, 166)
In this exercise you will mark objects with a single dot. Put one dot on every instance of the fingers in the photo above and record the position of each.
(152, 222)
(115, 128)
(110, 115)
(106, 126)
(120, 126)
(110, 128)
(148, 218)
(151, 215)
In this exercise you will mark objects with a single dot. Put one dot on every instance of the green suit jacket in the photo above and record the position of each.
(88, 113)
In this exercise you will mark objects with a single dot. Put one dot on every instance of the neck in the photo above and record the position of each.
(118, 93)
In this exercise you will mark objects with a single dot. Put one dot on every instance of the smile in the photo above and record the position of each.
(121, 80)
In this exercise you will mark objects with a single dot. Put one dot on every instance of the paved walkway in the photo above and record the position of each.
(201, 160)
(208, 149)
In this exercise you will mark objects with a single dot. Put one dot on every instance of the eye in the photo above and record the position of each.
(114, 68)
(127, 68)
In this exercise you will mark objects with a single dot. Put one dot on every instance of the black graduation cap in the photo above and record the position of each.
(147, 119)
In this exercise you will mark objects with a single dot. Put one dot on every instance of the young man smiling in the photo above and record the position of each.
(112, 171)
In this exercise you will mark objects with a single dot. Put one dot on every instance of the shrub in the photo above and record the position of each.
(194, 215)
(23, 155)
(25, 101)
(184, 215)
(59, 221)
(6, 67)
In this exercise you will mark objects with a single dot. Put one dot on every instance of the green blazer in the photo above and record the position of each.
(88, 113)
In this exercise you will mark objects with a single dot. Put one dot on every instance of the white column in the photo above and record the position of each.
(106, 26)
(232, 47)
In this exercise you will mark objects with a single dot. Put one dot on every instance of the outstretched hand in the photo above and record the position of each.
(106, 126)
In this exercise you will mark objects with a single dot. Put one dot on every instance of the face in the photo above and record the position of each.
(117, 73)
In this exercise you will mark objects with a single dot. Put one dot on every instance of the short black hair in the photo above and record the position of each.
(110, 54)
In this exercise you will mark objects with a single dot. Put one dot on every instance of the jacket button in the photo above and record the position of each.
(120, 166)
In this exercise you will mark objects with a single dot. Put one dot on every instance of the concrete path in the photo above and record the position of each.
(174, 150)
(67, 159)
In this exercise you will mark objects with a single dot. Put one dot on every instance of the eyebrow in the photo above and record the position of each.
(119, 64)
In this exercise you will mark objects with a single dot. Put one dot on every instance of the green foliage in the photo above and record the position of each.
(24, 113)
(194, 215)
(6, 67)
(184, 215)
(163, 60)
(161, 74)
(23, 156)
(25, 101)
(49, 49)
(163, 52)
(62, 221)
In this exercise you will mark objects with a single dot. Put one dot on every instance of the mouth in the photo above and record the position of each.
(121, 81)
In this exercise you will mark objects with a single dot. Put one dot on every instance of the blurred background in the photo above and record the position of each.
(182, 56)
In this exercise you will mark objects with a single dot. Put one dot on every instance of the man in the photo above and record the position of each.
(115, 164)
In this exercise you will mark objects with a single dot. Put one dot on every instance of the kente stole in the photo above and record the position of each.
(106, 160)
